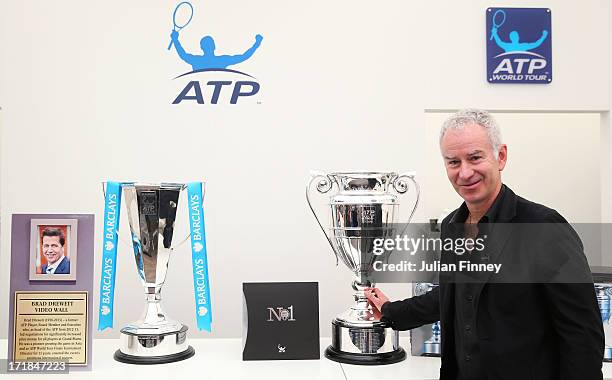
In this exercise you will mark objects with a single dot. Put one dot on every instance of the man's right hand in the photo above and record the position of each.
(376, 298)
(174, 35)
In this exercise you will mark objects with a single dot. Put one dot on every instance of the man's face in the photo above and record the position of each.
(52, 249)
(471, 165)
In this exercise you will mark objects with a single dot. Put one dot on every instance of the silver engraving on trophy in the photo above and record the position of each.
(154, 338)
(364, 207)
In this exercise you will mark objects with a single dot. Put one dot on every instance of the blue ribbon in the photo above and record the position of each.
(112, 209)
(199, 258)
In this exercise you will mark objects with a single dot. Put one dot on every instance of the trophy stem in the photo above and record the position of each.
(153, 313)
(361, 309)
(153, 293)
(361, 301)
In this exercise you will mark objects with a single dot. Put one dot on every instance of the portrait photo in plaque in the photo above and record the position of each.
(53, 253)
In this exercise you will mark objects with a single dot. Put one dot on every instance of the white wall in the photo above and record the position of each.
(86, 89)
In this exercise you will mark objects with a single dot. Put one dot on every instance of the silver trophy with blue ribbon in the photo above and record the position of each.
(152, 209)
(361, 207)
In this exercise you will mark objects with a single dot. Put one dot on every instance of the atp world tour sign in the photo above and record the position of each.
(519, 47)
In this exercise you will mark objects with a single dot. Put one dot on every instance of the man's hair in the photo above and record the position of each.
(475, 116)
(50, 231)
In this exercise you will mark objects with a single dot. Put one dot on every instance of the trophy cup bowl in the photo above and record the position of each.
(362, 209)
(154, 338)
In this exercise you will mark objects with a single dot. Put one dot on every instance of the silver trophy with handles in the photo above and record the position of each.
(360, 207)
(154, 338)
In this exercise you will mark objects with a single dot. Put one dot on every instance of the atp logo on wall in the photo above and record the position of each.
(519, 47)
(210, 80)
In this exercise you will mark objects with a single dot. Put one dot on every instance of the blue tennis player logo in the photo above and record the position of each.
(519, 48)
(499, 17)
(208, 62)
(183, 13)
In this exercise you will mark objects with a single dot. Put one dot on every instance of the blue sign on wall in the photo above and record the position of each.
(519, 45)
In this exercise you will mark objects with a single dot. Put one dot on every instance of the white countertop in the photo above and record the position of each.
(222, 359)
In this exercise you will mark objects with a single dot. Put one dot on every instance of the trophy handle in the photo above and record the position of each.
(401, 186)
(324, 184)
(130, 245)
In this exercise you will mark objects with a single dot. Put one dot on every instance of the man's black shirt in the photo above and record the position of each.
(467, 348)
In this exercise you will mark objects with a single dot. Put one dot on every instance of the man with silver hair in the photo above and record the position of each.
(492, 330)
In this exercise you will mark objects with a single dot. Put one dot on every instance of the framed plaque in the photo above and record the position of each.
(51, 289)
(51, 325)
